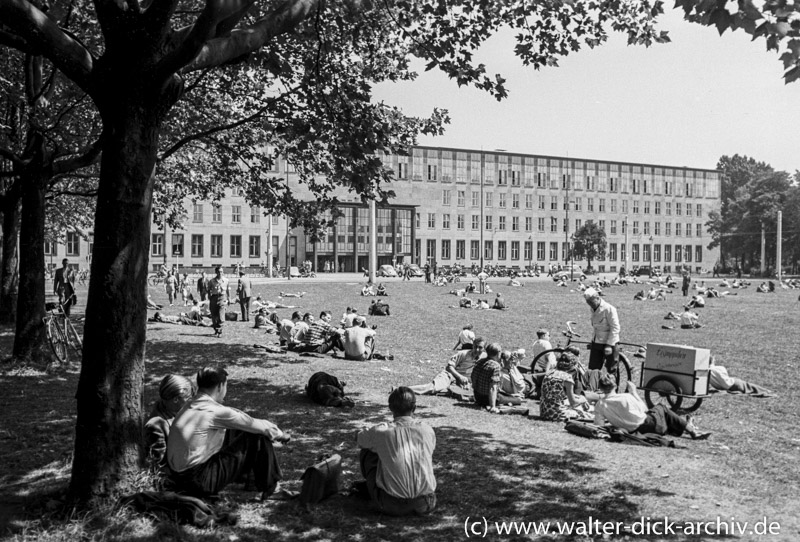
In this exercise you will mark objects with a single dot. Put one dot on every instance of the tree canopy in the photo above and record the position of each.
(589, 243)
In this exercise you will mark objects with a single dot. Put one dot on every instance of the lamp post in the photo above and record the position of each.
(530, 253)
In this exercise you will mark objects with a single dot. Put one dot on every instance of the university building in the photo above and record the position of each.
(458, 205)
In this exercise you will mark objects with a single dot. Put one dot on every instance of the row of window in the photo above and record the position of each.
(198, 247)
(550, 224)
(510, 250)
(72, 246)
(198, 214)
(637, 207)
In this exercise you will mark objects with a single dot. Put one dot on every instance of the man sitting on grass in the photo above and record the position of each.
(397, 460)
(321, 336)
(202, 461)
(358, 342)
(629, 412)
(486, 379)
(458, 371)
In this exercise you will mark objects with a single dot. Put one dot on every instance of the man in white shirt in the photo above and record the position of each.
(605, 323)
(627, 411)
(458, 371)
(689, 319)
(397, 460)
(719, 379)
(202, 462)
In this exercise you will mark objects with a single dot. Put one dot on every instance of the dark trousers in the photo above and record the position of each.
(598, 359)
(217, 307)
(242, 454)
(662, 421)
(389, 504)
(244, 303)
(322, 348)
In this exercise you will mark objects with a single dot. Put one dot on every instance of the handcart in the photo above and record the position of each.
(676, 376)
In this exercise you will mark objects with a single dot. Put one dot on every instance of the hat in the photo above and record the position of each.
(359, 320)
(590, 292)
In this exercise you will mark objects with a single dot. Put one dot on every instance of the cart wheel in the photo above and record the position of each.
(663, 390)
(690, 404)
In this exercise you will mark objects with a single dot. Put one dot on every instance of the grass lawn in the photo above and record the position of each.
(497, 468)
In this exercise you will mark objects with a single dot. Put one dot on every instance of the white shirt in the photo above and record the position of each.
(622, 410)
(466, 336)
(547, 362)
(606, 324)
(718, 378)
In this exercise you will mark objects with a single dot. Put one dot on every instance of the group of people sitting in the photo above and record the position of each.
(370, 289)
(499, 302)
(304, 333)
(199, 446)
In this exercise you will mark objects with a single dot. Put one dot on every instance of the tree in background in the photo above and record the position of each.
(589, 243)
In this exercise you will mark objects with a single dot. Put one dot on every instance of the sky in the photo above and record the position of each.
(684, 103)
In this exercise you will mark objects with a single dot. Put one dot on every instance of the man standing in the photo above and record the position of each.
(397, 460)
(427, 272)
(201, 461)
(219, 295)
(687, 280)
(64, 286)
(243, 293)
(202, 286)
(605, 323)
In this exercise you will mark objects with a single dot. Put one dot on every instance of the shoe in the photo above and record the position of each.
(701, 435)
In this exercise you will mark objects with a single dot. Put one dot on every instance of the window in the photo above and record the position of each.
(541, 203)
(635, 207)
(646, 253)
(501, 223)
(255, 214)
(635, 186)
(197, 246)
(177, 244)
(236, 214)
(602, 206)
(613, 227)
(554, 203)
(625, 226)
(254, 246)
(688, 230)
(613, 206)
(678, 253)
(699, 232)
(553, 224)
(590, 204)
(529, 201)
(668, 208)
(274, 220)
(656, 253)
(515, 201)
(432, 173)
(623, 255)
(601, 224)
(476, 222)
(445, 249)
(699, 213)
(487, 222)
(501, 250)
(276, 246)
(488, 199)
(49, 248)
(578, 203)
(635, 252)
(431, 221)
(612, 252)
(501, 201)
(460, 248)
(216, 246)
(502, 176)
(476, 199)
(635, 227)
(418, 220)
(487, 250)
(445, 197)
(624, 206)
(657, 228)
(668, 229)
(540, 223)
(541, 180)
(646, 228)
(698, 253)
(462, 198)
(197, 213)
(688, 209)
(667, 253)
(658, 208)
(460, 222)
(678, 208)
(687, 252)
(578, 223)
(73, 244)
(446, 222)
(564, 251)
(474, 250)
(528, 223)
(236, 246)
(216, 213)
(514, 223)
(647, 207)
(553, 251)
(157, 244)
(540, 250)
(402, 170)
(677, 229)
(613, 185)
(528, 250)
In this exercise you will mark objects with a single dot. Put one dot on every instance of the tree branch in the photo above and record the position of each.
(87, 157)
(45, 37)
(282, 19)
(12, 157)
(14, 42)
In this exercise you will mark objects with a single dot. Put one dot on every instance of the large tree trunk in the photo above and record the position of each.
(110, 390)
(9, 274)
(29, 340)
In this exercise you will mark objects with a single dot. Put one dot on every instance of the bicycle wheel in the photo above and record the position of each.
(74, 340)
(151, 280)
(55, 336)
(663, 390)
(555, 351)
(624, 373)
(690, 404)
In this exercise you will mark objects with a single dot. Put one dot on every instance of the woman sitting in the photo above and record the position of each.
(514, 387)
(560, 401)
(173, 392)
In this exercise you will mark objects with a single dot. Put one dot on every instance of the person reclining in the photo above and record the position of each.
(629, 412)
(327, 390)
(397, 460)
(292, 294)
(202, 461)
(173, 392)
(719, 379)
(458, 371)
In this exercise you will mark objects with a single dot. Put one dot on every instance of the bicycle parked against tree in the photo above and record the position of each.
(61, 334)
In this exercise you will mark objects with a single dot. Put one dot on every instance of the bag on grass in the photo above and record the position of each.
(231, 316)
(586, 430)
(321, 480)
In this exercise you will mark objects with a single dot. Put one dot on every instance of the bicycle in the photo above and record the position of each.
(61, 334)
(624, 373)
(154, 279)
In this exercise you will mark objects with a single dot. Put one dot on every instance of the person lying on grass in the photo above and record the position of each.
(719, 379)
(292, 294)
(397, 460)
(260, 303)
(173, 392)
(629, 412)
(458, 371)
(202, 460)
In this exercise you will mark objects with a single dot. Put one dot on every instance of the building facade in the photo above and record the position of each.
(467, 207)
